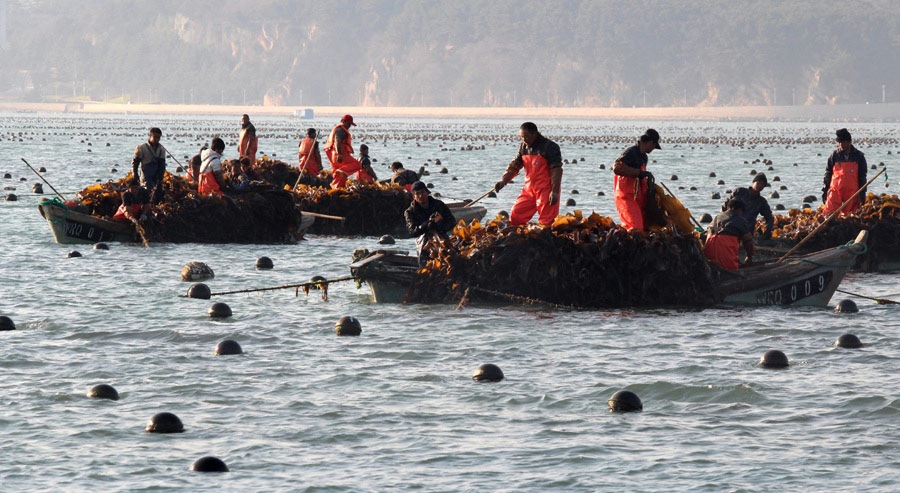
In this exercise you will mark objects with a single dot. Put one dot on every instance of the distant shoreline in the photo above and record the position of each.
(887, 112)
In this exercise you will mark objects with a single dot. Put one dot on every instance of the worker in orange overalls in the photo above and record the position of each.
(339, 149)
(630, 181)
(542, 161)
(726, 234)
(247, 141)
(845, 173)
(308, 154)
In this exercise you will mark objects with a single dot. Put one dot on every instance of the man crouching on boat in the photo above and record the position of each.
(135, 202)
(212, 179)
(427, 216)
(724, 234)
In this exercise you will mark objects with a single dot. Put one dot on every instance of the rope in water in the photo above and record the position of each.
(324, 282)
(879, 301)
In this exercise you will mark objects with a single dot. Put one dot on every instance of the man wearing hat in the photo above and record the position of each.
(754, 203)
(631, 181)
(845, 173)
(425, 217)
(339, 150)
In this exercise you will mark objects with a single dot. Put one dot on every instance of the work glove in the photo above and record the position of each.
(499, 185)
(554, 198)
(645, 174)
(340, 158)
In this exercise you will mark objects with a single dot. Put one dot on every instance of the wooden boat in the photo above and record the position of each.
(808, 280)
(70, 226)
(389, 273)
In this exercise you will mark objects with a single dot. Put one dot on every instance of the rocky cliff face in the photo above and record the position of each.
(522, 53)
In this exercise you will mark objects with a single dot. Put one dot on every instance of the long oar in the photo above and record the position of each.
(830, 217)
(880, 301)
(479, 198)
(173, 157)
(676, 198)
(44, 179)
(323, 216)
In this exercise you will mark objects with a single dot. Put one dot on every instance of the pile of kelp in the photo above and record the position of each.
(261, 214)
(879, 214)
(367, 209)
(581, 262)
(281, 174)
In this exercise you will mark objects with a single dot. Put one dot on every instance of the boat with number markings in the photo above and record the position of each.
(807, 280)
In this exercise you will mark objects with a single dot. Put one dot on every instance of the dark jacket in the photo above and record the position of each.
(418, 218)
(753, 206)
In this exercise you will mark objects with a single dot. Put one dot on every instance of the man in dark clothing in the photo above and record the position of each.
(427, 216)
(402, 176)
(149, 163)
(726, 234)
(754, 203)
(631, 181)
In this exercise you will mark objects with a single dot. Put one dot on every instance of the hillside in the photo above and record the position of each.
(502, 53)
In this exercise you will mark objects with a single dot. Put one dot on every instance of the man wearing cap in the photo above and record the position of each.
(631, 181)
(754, 203)
(845, 173)
(726, 234)
(427, 216)
(247, 141)
(542, 161)
(339, 150)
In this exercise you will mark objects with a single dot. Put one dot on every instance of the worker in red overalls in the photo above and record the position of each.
(845, 173)
(542, 161)
(247, 141)
(726, 234)
(308, 154)
(631, 181)
(339, 149)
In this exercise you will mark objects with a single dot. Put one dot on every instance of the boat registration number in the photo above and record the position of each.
(85, 232)
(795, 291)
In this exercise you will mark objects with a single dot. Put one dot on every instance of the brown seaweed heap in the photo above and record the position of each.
(580, 262)
(262, 214)
(879, 214)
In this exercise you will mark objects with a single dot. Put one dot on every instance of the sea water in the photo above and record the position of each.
(396, 409)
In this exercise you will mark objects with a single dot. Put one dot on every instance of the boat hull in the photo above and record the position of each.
(808, 280)
(388, 273)
(71, 227)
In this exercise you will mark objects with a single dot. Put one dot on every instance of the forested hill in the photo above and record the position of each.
(614, 53)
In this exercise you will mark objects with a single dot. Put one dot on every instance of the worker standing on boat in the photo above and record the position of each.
(631, 181)
(845, 173)
(212, 180)
(427, 216)
(308, 154)
(247, 141)
(754, 203)
(339, 150)
(149, 163)
(542, 161)
(725, 235)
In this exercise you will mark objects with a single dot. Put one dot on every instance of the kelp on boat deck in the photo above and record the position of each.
(584, 262)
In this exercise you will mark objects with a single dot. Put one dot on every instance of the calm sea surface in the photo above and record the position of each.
(396, 409)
